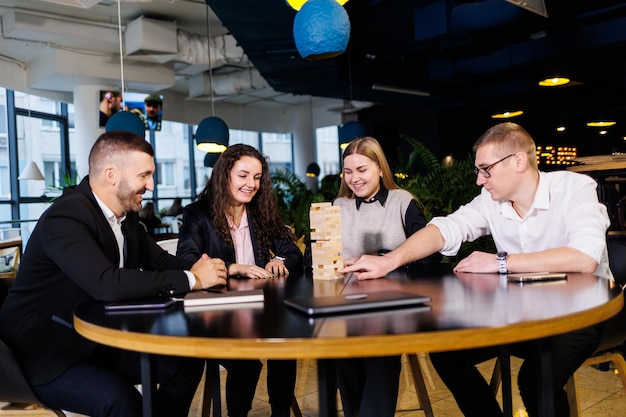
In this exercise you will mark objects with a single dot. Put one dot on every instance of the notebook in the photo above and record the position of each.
(335, 304)
(204, 298)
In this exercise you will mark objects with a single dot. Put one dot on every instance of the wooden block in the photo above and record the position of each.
(318, 206)
(324, 275)
(326, 243)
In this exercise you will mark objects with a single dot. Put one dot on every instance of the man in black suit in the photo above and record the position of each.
(89, 246)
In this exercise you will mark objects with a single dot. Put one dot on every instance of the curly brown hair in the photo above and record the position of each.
(262, 210)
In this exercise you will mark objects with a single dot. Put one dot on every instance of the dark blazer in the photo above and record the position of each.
(72, 257)
(197, 236)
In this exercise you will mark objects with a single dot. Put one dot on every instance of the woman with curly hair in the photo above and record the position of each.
(236, 219)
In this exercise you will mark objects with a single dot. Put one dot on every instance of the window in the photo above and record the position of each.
(279, 150)
(186, 179)
(243, 136)
(40, 137)
(5, 183)
(327, 150)
(171, 152)
(3, 113)
(165, 173)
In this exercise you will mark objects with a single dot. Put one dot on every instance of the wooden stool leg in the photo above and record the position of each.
(420, 385)
(496, 378)
(295, 408)
(572, 397)
(211, 393)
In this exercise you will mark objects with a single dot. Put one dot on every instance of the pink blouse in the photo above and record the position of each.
(244, 252)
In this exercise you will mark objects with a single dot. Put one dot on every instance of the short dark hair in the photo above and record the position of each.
(112, 144)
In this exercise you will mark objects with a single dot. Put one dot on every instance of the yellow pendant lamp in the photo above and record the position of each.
(297, 4)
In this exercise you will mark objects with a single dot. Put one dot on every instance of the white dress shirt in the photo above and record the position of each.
(116, 225)
(565, 213)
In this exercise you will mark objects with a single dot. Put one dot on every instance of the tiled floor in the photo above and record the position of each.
(600, 393)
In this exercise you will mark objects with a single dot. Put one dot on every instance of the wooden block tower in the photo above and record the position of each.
(326, 243)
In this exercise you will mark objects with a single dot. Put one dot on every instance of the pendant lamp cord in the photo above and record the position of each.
(350, 74)
(119, 31)
(208, 38)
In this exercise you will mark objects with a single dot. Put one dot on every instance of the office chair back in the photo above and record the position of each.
(13, 385)
(615, 331)
(15, 390)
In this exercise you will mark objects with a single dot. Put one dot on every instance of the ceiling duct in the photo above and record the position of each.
(193, 50)
(85, 4)
(144, 36)
(237, 82)
(59, 31)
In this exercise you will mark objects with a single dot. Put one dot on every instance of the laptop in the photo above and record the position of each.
(346, 303)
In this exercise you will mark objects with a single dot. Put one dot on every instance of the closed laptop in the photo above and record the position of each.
(345, 303)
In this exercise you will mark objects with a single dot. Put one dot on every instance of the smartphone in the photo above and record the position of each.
(537, 277)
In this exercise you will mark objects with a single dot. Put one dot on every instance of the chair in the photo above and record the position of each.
(16, 392)
(212, 391)
(169, 245)
(14, 389)
(613, 339)
(611, 346)
(9, 261)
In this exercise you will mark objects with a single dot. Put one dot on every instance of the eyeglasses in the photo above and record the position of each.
(485, 170)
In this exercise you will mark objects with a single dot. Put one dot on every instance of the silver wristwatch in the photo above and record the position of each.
(502, 257)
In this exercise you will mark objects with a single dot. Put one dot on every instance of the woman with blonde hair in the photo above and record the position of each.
(376, 217)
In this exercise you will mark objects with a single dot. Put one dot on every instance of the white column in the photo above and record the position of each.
(86, 123)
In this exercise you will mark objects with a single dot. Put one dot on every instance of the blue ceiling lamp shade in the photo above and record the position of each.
(350, 131)
(313, 170)
(321, 29)
(210, 159)
(128, 121)
(212, 135)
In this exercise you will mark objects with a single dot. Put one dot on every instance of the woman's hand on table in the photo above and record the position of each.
(250, 271)
(277, 267)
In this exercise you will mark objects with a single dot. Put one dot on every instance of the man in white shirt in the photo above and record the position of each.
(539, 222)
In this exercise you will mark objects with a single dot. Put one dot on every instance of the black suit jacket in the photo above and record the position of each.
(198, 236)
(72, 257)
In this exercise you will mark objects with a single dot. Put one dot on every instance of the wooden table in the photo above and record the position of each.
(467, 311)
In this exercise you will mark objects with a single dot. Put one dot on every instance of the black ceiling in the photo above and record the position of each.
(467, 54)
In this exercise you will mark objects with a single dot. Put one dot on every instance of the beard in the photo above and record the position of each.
(128, 198)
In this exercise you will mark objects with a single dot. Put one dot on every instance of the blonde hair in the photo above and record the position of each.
(370, 148)
(509, 138)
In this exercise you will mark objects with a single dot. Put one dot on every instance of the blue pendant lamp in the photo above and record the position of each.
(313, 170)
(212, 135)
(210, 159)
(350, 131)
(128, 121)
(321, 29)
